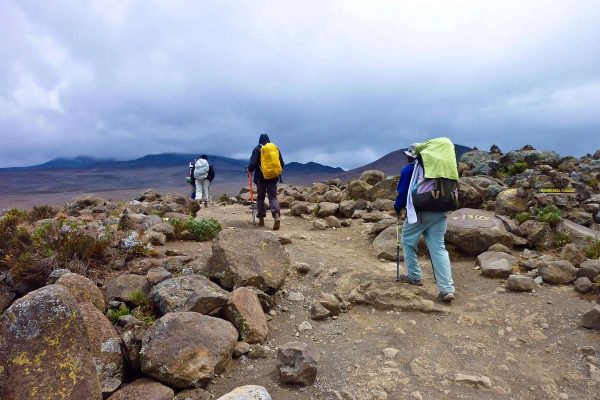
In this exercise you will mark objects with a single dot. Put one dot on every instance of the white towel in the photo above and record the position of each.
(417, 176)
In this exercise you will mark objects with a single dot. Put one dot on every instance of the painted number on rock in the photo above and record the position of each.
(476, 217)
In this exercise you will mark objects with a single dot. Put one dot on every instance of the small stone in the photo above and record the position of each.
(285, 239)
(157, 275)
(295, 296)
(241, 348)
(416, 395)
(390, 352)
(583, 285)
(297, 363)
(319, 225)
(305, 326)
(476, 380)
(591, 319)
(318, 312)
(520, 283)
(302, 268)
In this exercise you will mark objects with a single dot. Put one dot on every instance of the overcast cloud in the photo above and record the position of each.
(338, 82)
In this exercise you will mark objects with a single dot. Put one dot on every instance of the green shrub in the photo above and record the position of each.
(517, 168)
(178, 225)
(224, 198)
(144, 314)
(562, 238)
(592, 250)
(204, 228)
(139, 298)
(68, 241)
(115, 313)
(549, 214)
(523, 216)
(502, 173)
(42, 212)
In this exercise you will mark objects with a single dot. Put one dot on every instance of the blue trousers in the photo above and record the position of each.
(432, 225)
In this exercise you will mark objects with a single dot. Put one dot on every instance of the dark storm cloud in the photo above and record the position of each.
(339, 82)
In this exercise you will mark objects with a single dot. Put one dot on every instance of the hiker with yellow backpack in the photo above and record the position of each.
(267, 164)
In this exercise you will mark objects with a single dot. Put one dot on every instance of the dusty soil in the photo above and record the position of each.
(530, 345)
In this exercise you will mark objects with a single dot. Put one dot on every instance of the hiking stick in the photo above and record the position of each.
(398, 248)
(251, 197)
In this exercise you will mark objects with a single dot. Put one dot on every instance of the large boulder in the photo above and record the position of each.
(496, 264)
(122, 286)
(246, 314)
(572, 254)
(531, 157)
(539, 234)
(83, 289)
(372, 176)
(386, 189)
(385, 243)
(478, 161)
(144, 389)
(299, 208)
(333, 196)
(474, 231)
(105, 343)
(248, 392)
(579, 234)
(249, 258)
(558, 272)
(297, 363)
(327, 209)
(508, 202)
(74, 206)
(187, 349)
(188, 293)
(44, 349)
(520, 283)
(358, 189)
(589, 269)
(347, 208)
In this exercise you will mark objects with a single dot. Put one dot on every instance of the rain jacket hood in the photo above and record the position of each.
(264, 139)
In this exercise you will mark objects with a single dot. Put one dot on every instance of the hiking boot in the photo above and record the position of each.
(406, 279)
(205, 204)
(447, 297)
(277, 222)
(261, 222)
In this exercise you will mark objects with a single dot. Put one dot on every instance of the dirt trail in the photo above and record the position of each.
(529, 345)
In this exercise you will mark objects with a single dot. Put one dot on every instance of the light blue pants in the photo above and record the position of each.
(432, 225)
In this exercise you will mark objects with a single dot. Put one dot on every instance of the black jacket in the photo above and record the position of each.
(211, 173)
(254, 164)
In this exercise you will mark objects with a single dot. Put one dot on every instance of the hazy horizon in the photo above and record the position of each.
(341, 83)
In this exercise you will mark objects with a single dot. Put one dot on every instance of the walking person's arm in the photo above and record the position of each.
(403, 186)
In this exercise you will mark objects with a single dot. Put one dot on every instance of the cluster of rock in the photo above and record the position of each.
(57, 342)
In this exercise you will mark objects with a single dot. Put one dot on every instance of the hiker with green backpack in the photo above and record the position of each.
(267, 164)
(428, 189)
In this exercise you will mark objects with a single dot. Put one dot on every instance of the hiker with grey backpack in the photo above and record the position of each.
(203, 174)
(428, 188)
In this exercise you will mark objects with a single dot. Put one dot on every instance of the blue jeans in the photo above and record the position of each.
(432, 225)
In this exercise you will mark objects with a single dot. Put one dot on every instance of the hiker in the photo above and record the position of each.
(431, 224)
(201, 175)
(267, 164)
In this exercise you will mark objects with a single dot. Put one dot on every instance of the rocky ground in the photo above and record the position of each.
(136, 300)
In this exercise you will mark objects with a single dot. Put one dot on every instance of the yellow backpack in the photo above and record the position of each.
(269, 161)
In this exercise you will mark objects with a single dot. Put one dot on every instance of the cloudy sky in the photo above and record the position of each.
(338, 82)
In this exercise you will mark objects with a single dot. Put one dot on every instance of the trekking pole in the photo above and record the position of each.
(398, 248)
(432, 267)
(251, 197)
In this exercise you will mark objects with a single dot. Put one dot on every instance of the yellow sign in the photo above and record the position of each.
(558, 190)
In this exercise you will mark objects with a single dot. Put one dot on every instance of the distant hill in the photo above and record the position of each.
(391, 163)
